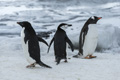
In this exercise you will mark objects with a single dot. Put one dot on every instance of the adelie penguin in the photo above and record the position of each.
(88, 38)
(30, 43)
(60, 38)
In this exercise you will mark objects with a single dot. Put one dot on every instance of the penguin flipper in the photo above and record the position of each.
(50, 44)
(42, 40)
(43, 65)
(70, 43)
(81, 42)
(25, 39)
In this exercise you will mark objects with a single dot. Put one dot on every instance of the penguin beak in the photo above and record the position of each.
(18, 22)
(99, 18)
(69, 25)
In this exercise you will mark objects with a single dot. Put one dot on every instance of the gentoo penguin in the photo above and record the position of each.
(31, 45)
(60, 38)
(88, 38)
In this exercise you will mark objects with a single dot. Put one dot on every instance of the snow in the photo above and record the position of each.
(7, 0)
(7, 10)
(46, 16)
(110, 5)
(104, 67)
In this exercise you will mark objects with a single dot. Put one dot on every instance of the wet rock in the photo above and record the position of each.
(45, 34)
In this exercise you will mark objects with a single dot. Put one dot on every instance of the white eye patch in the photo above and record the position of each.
(93, 17)
(64, 27)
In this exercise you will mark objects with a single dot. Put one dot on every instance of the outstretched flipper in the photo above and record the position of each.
(70, 43)
(42, 40)
(50, 44)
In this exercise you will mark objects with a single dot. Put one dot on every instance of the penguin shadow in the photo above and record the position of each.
(37, 67)
(85, 58)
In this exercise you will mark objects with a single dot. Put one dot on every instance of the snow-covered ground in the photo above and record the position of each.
(104, 67)
(45, 16)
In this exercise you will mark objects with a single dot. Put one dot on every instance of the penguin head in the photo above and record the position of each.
(24, 24)
(93, 19)
(64, 26)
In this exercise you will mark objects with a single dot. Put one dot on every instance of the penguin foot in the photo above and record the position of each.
(65, 61)
(58, 60)
(92, 56)
(30, 66)
(87, 57)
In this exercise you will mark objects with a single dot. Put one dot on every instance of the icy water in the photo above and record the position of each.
(46, 15)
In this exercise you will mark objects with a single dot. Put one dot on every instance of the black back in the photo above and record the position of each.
(33, 44)
(60, 38)
(32, 38)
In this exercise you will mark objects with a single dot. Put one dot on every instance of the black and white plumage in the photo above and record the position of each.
(88, 38)
(60, 38)
(30, 43)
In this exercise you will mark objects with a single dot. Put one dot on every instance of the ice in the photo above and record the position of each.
(110, 5)
(106, 37)
(13, 9)
(8, 0)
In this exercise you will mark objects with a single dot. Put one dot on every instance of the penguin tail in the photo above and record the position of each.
(43, 65)
(58, 60)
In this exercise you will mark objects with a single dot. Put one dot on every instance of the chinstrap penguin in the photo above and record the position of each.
(60, 38)
(88, 38)
(30, 44)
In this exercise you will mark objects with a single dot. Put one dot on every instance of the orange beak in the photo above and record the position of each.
(99, 17)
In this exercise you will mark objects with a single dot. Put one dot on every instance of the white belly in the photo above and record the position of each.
(91, 39)
(25, 48)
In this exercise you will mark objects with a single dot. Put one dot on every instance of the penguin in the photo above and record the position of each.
(60, 38)
(88, 38)
(30, 45)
